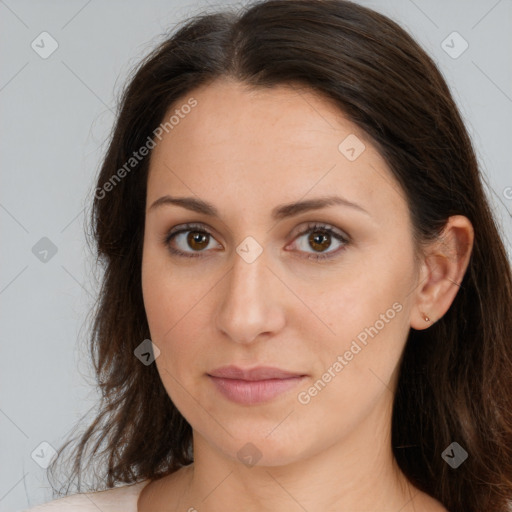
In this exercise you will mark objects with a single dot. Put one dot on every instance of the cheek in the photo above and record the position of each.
(355, 297)
(173, 330)
(172, 303)
(367, 310)
(167, 296)
(168, 316)
(355, 370)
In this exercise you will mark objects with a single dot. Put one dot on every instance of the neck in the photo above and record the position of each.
(357, 473)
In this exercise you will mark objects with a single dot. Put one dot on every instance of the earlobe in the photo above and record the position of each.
(445, 263)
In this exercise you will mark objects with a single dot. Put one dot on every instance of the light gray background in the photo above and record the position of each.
(56, 114)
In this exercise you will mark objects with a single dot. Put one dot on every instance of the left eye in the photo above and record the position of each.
(198, 238)
(320, 237)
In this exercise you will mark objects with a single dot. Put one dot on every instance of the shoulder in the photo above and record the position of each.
(110, 500)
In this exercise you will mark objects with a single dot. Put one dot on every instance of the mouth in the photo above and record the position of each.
(253, 386)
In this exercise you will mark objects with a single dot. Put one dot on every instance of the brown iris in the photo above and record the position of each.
(317, 240)
(197, 240)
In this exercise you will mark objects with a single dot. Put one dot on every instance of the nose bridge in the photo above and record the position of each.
(248, 305)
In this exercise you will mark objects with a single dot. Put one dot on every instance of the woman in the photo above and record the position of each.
(306, 302)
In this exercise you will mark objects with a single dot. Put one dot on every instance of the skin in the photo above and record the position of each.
(246, 152)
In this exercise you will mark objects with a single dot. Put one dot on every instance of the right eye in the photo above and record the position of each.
(193, 236)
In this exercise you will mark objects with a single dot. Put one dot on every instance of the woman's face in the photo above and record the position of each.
(245, 289)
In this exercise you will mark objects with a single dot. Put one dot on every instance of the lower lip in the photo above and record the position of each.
(254, 392)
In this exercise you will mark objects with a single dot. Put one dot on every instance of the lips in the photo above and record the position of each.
(259, 373)
(253, 386)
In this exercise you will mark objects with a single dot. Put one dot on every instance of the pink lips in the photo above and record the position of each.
(255, 385)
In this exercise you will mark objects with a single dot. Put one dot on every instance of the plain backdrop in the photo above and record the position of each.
(56, 115)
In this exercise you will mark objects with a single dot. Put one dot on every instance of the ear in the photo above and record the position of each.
(441, 272)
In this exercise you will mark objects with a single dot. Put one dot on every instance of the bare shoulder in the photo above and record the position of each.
(124, 496)
(164, 493)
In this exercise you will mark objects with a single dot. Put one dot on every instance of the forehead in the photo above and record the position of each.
(231, 117)
(266, 145)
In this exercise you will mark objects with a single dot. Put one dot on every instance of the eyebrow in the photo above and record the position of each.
(278, 213)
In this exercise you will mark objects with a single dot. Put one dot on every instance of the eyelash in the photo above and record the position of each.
(311, 227)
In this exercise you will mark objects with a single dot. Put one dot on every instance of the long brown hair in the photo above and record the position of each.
(455, 381)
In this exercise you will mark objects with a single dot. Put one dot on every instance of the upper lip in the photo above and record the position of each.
(258, 373)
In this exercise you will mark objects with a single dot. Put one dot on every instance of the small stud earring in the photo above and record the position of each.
(425, 317)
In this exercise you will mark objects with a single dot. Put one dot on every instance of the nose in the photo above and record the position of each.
(251, 303)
